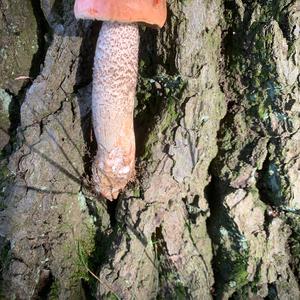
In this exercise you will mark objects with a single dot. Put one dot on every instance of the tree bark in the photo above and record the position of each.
(213, 212)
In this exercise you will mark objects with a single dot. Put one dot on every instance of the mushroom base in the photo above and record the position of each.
(112, 171)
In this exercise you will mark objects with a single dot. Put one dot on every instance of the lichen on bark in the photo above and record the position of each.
(213, 211)
(251, 182)
(164, 250)
(50, 221)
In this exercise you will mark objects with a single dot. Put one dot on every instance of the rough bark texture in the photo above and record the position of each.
(214, 210)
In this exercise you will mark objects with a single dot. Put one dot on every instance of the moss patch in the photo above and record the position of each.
(157, 110)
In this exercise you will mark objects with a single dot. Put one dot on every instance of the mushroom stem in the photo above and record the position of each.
(114, 86)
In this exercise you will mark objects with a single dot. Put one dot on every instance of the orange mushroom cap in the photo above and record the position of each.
(151, 12)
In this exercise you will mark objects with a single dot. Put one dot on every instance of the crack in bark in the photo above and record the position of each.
(43, 29)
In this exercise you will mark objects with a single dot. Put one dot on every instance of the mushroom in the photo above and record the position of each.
(114, 85)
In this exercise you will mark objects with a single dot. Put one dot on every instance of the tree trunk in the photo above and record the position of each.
(213, 212)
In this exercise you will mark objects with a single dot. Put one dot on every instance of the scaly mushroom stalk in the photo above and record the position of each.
(114, 85)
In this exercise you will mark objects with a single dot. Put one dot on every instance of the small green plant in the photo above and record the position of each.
(85, 272)
(54, 291)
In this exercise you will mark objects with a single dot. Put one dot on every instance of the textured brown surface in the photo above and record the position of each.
(18, 43)
(214, 208)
